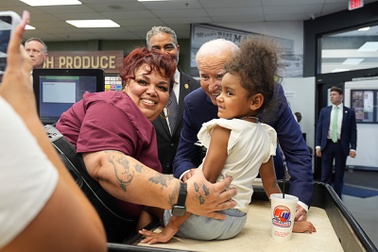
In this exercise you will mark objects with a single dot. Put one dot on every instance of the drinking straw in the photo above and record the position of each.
(284, 179)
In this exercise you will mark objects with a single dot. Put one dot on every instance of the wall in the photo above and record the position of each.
(289, 30)
(289, 34)
(300, 93)
(367, 134)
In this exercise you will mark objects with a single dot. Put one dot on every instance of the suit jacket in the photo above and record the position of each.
(199, 109)
(348, 134)
(167, 143)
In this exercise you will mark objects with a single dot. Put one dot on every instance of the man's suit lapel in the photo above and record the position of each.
(328, 118)
(185, 89)
(345, 116)
(345, 119)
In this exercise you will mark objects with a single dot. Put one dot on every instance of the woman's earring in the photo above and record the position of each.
(166, 112)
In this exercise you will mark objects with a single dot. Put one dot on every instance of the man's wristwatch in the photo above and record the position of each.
(179, 209)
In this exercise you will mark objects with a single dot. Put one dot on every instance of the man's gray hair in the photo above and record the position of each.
(38, 40)
(216, 47)
(160, 29)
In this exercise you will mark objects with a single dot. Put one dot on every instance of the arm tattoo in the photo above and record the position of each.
(124, 177)
(138, 168)
(174, 194)
(206, 190)
(200, 196)
(196, 187)
(161, 179)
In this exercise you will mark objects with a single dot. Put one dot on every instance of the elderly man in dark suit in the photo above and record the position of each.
(336, 138)
(168, 125)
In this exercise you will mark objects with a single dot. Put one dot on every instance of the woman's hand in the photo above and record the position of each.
(207, 199)
(17, 77)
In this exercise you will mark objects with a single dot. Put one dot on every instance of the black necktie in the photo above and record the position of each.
(172, 111)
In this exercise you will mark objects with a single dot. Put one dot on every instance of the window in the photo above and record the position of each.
(351, 50)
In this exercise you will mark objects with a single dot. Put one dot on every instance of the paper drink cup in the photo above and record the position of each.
(283, 214)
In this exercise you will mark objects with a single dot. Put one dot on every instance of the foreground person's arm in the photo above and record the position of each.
(67, 222)
(127, 179)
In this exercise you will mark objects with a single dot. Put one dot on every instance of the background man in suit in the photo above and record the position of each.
(37, 50)
(336, 138)
(168, 126)
(201, 106)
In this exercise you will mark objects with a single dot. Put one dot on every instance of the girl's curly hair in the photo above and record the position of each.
(257, 64)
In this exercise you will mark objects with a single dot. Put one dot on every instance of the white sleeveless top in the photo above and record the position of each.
(249, 146)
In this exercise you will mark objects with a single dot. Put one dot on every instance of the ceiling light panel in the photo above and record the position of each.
(352, 61)
(364, 28)
(369, 47)
(50, 2)
(98, 23)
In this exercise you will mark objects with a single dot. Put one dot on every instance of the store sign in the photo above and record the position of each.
(109, 61)
(355, 4)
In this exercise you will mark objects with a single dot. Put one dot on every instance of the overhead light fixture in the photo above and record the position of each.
(337, 70)
(29, 27)
(352, 61)
(369, 47)
(97, 23)
(50, 2)
(153, 0)
(364, 28)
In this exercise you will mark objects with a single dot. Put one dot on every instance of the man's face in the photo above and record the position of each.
(37, 53)
(163, 42)
(336, 98)
(211, 71)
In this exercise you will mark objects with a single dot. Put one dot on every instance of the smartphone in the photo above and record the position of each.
(8, 22)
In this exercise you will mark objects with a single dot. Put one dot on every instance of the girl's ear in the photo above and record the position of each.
(256, 101)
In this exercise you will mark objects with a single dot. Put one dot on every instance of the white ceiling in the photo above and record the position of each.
(136, 18)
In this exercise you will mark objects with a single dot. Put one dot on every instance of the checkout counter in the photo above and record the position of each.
(337, 230)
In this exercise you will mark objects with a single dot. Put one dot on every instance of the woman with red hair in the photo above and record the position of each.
(117, 141)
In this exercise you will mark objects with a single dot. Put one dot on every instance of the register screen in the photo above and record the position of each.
(59, 93)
